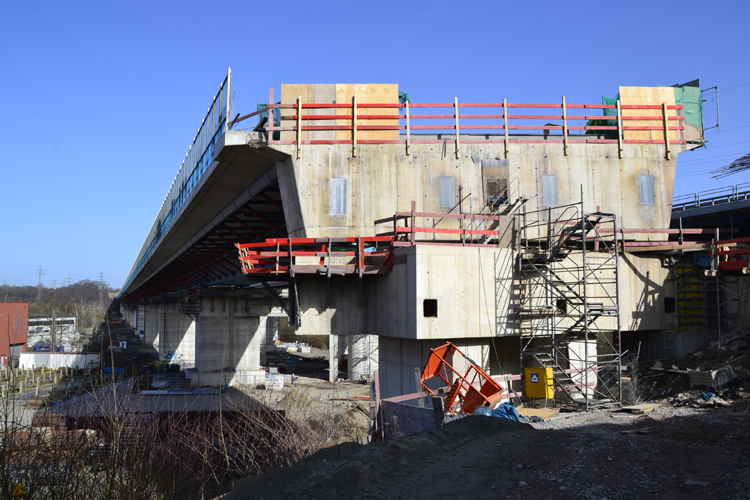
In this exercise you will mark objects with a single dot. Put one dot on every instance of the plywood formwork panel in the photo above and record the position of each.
(376, 93)
(648, 96)
(310, 94)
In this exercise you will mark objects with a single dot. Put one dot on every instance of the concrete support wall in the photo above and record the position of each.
(177, 337)
(471, 289)
(617, 185)
(227, 343)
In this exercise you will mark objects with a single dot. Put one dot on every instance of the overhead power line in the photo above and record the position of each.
(734, 87)
(729, 129)
(710, 159)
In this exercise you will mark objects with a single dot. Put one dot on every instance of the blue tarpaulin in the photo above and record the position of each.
(505, 410)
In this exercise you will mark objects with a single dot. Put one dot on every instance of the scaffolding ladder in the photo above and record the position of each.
(567, 302)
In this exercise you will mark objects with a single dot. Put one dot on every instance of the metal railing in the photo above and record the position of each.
(710, 197)
(197, 161)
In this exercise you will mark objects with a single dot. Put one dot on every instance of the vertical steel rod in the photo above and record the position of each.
(354, 125)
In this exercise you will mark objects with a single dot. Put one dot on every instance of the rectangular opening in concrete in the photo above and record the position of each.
(669, 304)
(430, 308)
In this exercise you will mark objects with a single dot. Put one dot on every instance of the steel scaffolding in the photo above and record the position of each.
(568, 314)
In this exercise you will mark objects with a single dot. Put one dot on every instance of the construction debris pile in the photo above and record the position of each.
(681, 453)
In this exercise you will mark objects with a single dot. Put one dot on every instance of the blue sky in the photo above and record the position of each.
(101, 100)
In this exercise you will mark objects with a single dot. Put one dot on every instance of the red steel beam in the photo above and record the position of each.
(264, 219)
(271, 201)
(231, 272)
(249, 228)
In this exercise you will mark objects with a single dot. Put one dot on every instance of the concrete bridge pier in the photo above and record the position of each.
(150, 323)
(140, 318)
(272, 335)
(176, 335)
(227, 343)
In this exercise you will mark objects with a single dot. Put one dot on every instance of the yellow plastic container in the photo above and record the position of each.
(539, 383)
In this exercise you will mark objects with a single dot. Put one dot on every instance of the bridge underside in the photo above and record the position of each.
(199, 249)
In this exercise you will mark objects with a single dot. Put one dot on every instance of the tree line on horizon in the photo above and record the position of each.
(79, 300)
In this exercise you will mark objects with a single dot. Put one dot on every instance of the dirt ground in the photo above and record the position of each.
(674, 453)
(680, 450)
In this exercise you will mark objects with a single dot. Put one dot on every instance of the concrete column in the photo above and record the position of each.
(272, 334)
(333, 358)
(140, 318)
(363, 356)
(227, 343)
(177, 336)
(151, 324)
(337, 349)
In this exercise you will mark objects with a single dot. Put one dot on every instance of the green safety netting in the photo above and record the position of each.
(689, 97)
(605, 123)
(692, 100)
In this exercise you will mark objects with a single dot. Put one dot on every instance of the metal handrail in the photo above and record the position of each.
(711, 197)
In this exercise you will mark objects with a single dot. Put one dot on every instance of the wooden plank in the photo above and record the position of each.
(505, 121)
(667, 248)
(299, 126)
(354, 126)
(544, 413)
(458, 143)
(408, 131)
(666, 130)
(640, 409)
(619, 130)
(565, 128)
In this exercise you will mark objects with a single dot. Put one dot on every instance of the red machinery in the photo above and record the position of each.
(475, 388)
